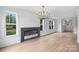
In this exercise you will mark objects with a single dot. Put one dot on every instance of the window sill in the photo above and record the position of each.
(10, 36)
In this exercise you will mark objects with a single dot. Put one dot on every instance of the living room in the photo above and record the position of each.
(60, 20)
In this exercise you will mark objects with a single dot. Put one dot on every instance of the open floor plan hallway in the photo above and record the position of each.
(56, 42)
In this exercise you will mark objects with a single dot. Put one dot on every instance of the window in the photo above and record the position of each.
(50, 24)
(41, 24)
(10, 23)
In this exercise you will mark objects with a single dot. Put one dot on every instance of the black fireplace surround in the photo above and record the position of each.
(29, 31)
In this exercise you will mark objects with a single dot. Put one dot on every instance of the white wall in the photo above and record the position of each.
(1, 24)
(78, 26)
(24, 19)
(28, 19)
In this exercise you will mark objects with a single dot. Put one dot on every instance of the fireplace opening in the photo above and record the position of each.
(28, 33)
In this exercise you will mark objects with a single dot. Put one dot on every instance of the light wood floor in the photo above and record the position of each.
(57, 42)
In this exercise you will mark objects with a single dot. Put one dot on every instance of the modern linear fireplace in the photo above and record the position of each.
(28, 33)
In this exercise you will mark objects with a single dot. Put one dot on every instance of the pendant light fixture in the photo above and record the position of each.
(43, 13)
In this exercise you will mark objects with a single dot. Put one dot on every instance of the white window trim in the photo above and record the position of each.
(14, 24)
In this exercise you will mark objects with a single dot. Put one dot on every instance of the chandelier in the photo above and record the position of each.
(43, 13)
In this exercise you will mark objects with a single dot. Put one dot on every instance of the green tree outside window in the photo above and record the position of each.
(10, 23)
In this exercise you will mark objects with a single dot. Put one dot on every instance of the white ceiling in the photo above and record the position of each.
(48, 8)
(56, 10)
